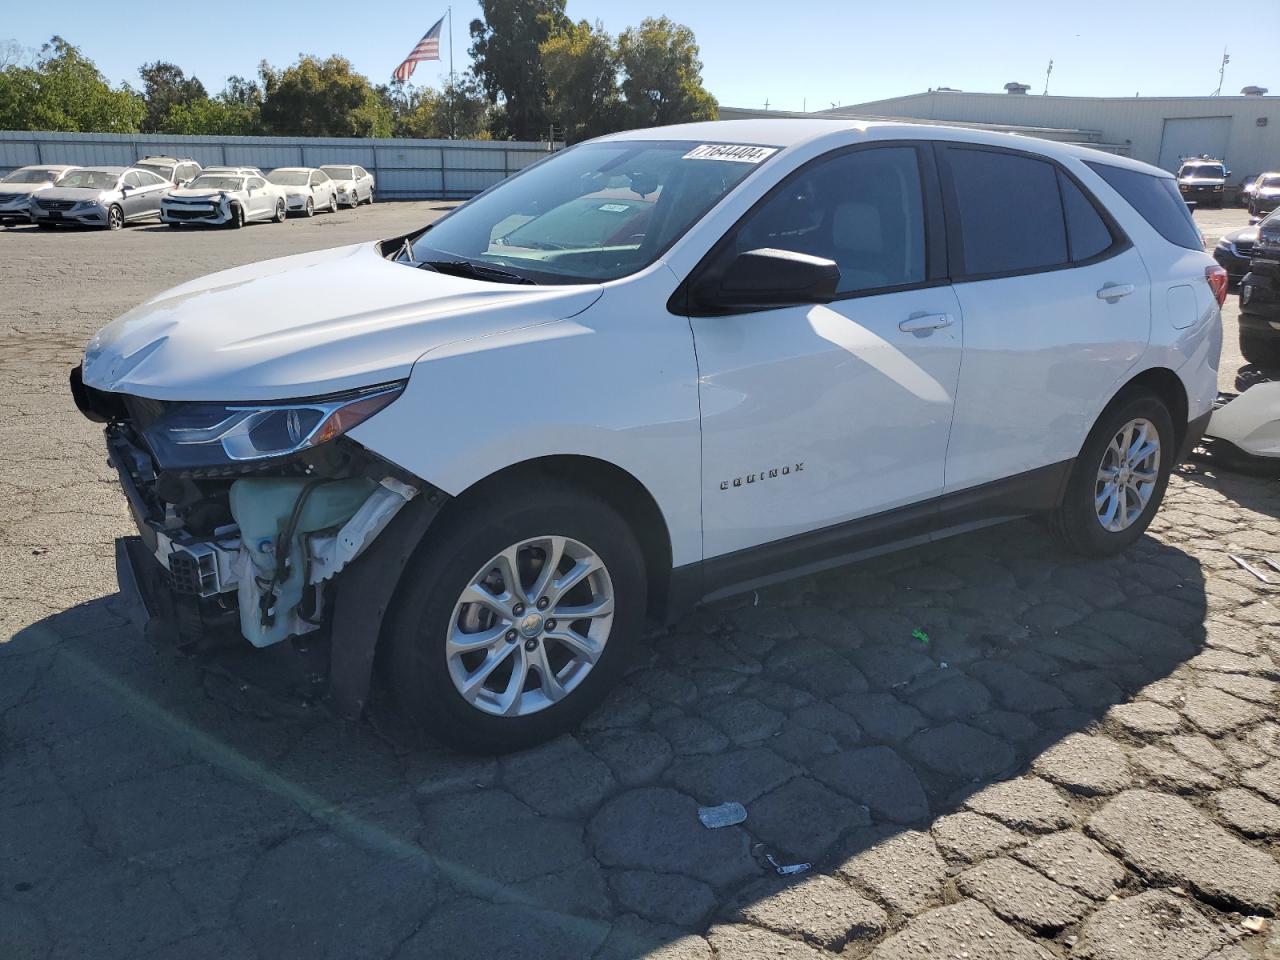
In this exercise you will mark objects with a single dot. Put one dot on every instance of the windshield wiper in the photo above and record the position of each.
(480, 271)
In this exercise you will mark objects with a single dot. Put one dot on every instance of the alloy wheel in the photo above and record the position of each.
(115, 218)
(530, 626)
(1127, 476)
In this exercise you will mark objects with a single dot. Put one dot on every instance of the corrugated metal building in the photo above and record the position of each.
(1244, 131)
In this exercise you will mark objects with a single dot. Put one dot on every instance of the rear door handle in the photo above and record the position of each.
(1111, 292)
(919, 322)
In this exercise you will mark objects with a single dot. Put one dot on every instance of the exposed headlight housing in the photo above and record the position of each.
(198, 435)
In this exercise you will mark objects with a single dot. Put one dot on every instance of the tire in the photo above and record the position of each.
(334, 207)
(1260, 349)
(370, 200)
(46, 226)
(1077, 522)
(115, 217)
(429, 604)
(280, 213)
(173, 225)
(310, 209)
(237, 217)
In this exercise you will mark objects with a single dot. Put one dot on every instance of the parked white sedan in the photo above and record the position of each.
(354, 183)
(223, 199)
(306, 189)
(19, 186)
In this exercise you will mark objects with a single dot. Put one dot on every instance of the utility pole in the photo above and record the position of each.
(766, 103)
(1222, 70)
(1046, 78)
(453, 92)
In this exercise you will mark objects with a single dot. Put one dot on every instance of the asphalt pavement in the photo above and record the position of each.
(984, 749)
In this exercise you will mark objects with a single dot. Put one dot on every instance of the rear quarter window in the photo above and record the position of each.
(1156, 199)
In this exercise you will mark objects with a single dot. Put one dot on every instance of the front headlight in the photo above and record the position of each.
(208, 435)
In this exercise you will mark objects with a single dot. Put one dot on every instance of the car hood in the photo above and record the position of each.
(1245, 235)
(307, 325)
(24, 187)
(72, 193)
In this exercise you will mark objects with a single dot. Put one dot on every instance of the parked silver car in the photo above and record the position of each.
(354, 183)
(18, 187)
(179, 171)
(100, 197)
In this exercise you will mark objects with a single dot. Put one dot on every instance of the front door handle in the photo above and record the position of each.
(1111, 292)
(918, 322)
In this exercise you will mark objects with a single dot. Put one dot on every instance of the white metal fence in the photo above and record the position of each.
(405, 169)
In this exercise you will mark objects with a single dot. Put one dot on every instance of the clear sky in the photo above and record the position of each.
(795, 56)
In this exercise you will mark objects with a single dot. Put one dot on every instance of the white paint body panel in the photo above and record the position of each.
(1251, 421)
(1042, 357)
(864, 407)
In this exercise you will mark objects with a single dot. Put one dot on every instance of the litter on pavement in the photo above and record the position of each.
(724, 815)
(1246, 565)
(787, 869)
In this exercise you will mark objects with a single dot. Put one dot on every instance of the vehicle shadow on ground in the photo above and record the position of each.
(161, 805)
(1251, 374)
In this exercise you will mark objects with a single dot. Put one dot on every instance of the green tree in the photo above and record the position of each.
(64, 90)
(322, 98)
(662, 75)
(212, 117)
(506, 55)
(165, 86)
(581, 68)
(459, 109)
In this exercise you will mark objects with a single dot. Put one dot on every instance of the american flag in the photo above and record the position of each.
(428, 48)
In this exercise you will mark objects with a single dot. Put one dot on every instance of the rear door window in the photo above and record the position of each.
(1157, 199)
(1011, 218)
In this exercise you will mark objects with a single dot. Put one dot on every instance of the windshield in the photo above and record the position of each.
(289, 178)
(216, 183)
(90, 179)
(31, 176)
(596, 212)
(1205, 170)
(1270, 181)
(340, 173)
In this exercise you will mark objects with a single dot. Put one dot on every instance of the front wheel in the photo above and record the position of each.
(310, 210)
(516, 618)
(115, 217)
(237, 217)
(1119, 479)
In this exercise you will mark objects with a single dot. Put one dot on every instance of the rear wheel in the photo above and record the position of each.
(115, 217)
(1260, 349)
(280, 212)
(1119, 479)
(516, 617)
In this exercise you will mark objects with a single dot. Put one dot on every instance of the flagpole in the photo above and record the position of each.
(453, 132)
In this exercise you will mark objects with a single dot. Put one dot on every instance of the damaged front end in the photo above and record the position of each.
(259, 519)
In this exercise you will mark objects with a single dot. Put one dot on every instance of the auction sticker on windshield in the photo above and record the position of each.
(738, 153)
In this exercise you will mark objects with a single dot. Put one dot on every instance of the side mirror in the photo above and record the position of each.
(125, 188)
(769, 278)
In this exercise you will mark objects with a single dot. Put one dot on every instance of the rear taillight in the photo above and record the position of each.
(1217, 278)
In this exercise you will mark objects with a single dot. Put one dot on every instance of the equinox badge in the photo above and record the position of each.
(763, 475)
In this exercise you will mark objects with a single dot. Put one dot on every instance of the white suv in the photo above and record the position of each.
(655, 368)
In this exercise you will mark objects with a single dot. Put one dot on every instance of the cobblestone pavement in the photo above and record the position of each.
(1082, 761)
